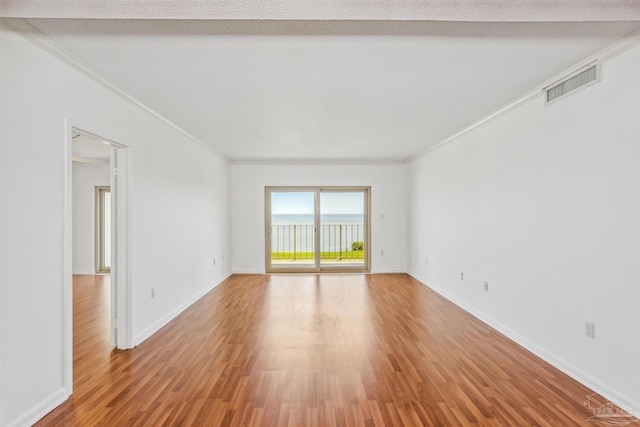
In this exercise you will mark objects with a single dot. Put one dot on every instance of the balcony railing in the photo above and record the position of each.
(339, 242)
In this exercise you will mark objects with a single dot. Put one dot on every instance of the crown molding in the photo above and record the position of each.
(32, 34)
(618, 48)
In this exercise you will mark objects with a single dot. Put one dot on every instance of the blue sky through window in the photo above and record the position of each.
(292, 203)
(301, 203)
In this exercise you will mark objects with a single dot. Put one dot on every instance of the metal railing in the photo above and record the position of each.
(337, 242)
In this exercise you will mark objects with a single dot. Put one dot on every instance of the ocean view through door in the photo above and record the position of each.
(342, 236)
(293, 230)
(317, 229)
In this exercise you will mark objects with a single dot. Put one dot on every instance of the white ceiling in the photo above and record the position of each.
(368, 90)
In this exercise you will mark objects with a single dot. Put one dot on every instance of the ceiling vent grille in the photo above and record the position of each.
(570, 85)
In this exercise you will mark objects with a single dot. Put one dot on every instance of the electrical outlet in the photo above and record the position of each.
(461, 276)
(590, 329)
(486, 286)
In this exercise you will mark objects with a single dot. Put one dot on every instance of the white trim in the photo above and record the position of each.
(98, 132)
(40, 410)
(67, 332)
(121, 289)
(625, 402)
(511, 106)
(626, 43)
(124, 304)
(33, 35)
(251, 272)
(128, 313)
(156, 326)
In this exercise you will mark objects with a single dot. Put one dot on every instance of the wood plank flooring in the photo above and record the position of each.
(316, 350)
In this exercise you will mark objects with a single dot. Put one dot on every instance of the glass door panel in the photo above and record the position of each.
(292, 229)
(342, 229)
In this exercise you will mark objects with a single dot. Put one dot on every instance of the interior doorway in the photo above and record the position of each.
(108, 236)
(312, 229)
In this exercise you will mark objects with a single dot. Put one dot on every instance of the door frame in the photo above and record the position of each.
(120, 168)
(318, 266)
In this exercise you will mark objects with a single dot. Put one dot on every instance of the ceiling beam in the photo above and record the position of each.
(400, 10)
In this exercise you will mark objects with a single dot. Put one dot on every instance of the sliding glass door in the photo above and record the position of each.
(317, 229)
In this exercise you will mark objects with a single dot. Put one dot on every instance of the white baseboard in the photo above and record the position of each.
(42, 409)
(249, 271)
(53, 401)
(625, 402)
(155, 327)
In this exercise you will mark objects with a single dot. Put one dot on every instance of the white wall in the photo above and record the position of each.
(86, 176)
(179, 217)
(544, 204)
(388, 198)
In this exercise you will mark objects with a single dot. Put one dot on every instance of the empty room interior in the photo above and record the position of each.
(319, 213)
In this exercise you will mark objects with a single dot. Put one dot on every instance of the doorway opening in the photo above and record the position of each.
(312, 229)
(102, 248)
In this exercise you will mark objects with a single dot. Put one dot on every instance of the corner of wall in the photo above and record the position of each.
(156, 326)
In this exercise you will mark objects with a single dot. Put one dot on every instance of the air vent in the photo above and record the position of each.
(570, 85)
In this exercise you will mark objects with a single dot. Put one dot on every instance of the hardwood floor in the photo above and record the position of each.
(317, 350)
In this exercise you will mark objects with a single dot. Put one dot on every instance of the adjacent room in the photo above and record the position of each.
(323, 214)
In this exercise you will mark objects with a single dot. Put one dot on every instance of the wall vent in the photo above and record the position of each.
(580, 80)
